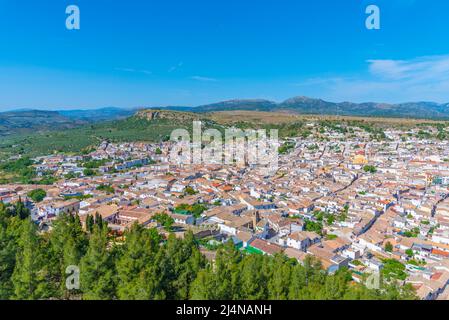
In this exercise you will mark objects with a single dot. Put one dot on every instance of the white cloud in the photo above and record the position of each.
(133, 70)
(203, 79)
(423, 78)
(174, 68)
(420, 69)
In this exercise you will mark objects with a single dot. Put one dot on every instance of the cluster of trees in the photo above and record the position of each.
(313, 226)
(18, 165)
(376, 132)
(19, 170)
(37, 195)
(321, 216)
(333, 126)
(106, 188)
(393, 269)
(90, 172)
(33, 265)
(190, 191)
(22, 171)
(286, 147)
(72, 175)
(237, 276)
(196, 209)
(165, 220)
(370, 169)
(412, 233)
(95, 164)
(141, 265)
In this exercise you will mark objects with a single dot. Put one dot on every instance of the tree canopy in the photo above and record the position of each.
(141, 265)
(37, 195)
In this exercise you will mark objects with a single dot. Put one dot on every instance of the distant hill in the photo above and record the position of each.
(253, 105)
(171, 108)
(28, 121)
(32, 121)
(305, 105)
(97, 115)
(171, 115)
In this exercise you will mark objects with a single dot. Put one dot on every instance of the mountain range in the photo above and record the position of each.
(26, 121)
(305, 105)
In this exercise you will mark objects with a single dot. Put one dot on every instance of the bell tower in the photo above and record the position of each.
(256, 219)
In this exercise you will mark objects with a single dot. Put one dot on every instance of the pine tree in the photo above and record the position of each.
(307, 280)
(31, 277)
(203, 287)
(19, 210)
(90, 223)
(8, 251)
(67, 244)
(279, 280)
(136, 254)
(184, 260)
(221, 279)
(99, 221)
(336, 285)
(252, 285)
(155, 276)
(97, 268)
(298, 283)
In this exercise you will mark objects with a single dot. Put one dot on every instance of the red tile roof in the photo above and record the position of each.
(440, 252)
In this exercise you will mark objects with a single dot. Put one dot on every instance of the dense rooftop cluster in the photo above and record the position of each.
(370, 201)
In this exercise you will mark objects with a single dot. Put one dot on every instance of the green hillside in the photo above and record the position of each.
(157, 125)
(135, 128)
(31, 121)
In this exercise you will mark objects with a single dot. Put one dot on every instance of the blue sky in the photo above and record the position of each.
(154, 53)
